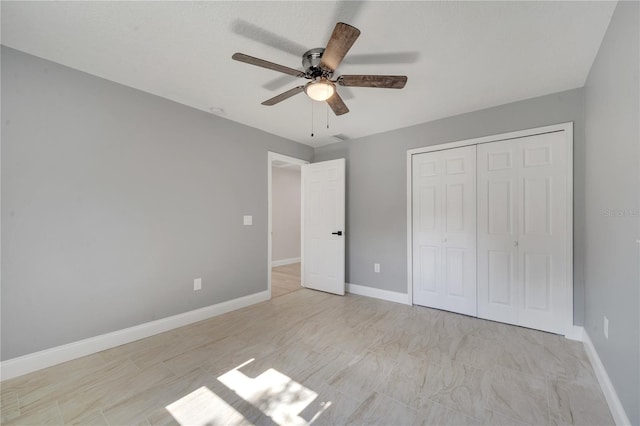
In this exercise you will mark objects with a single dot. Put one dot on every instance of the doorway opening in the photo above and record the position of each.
(285, 228)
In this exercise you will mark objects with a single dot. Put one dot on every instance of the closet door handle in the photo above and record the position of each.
(337, 233)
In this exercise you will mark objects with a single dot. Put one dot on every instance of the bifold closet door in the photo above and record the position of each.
(522, 232)
(444, 229)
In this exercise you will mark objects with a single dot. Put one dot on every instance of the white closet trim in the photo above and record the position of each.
(562, 127)
(567, 127)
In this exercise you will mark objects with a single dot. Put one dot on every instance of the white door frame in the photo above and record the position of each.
(562, 127)
(271, 157)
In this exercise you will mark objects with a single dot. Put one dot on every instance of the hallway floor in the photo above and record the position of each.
(285, 279)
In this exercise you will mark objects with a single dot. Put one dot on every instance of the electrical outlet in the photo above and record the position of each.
(247, 220)
(197, 284)
(605, 328)
(376, 267)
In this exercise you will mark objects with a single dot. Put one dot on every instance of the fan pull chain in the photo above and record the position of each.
(311, 118)
(327, 105)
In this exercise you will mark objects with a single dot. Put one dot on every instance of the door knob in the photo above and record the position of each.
(337, 233)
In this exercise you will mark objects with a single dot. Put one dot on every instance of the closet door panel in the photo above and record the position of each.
(444, 229)
(459, 243)
(522, 232)
(498, 291)
(543, 237)
(427, 224)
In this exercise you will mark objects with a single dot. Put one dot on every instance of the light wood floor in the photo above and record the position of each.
(285, 279)
(310, 357)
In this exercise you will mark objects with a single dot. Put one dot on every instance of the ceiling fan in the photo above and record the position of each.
(320, 64)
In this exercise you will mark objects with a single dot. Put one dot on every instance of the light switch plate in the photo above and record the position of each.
(197, 284)
(248, 220)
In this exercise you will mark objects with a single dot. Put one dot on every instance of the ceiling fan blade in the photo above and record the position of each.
(342, 38)
(347, 11)
(266, 64)
(282, 96)
(337, 104)
(380, 81)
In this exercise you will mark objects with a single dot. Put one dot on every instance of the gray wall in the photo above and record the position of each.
(612, 265)
(114, 200)
(377, 182)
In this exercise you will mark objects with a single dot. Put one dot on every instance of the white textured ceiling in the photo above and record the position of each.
(459, 56)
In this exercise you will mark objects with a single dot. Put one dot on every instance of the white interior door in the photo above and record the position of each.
(522, 232)
(444, 229)
(323, 220)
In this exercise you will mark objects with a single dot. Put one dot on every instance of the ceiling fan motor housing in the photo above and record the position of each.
(311, 63)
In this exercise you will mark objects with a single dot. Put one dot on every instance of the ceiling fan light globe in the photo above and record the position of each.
(320, 90)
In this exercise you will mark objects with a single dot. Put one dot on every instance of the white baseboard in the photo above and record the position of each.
(283, 262)
(617, 411)
(576, 332)
(38, 360)
(391, 296)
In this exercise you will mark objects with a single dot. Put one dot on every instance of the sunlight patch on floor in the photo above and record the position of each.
(273, 393)
(202, 406)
